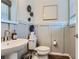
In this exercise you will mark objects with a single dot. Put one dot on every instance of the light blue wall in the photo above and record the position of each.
(22, 30)
(72, 7)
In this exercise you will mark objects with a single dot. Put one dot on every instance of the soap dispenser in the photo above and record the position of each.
(14, 35)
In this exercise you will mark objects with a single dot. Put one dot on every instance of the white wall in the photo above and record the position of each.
(58, 35)
(46, 35)
(19, 11)
(44, 32)
(38, 10)
(23, 15)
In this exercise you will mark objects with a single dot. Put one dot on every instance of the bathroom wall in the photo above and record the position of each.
(4, 27)
(47, 32)
(22, 30)
(70, 40)
(71, 30)
(46, 35)
(23, 15)
(58, 36)
(20, 14)
(38, 10)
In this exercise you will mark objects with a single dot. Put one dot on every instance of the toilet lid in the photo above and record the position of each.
(43, 48)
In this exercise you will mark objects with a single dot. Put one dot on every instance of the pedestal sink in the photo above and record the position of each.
(11, 48)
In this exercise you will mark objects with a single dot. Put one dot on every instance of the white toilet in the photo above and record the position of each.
(43, 52)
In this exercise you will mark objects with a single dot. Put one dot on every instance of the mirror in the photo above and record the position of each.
(7, 2)
(5, 9)
(9, 11)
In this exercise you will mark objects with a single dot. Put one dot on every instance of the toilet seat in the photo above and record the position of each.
(43, 50)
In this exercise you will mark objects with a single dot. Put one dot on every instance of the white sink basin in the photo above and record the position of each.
(13, 46)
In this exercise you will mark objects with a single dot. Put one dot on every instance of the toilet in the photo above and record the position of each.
(42, 52)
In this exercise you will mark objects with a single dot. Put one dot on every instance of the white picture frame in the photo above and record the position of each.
(50, 12)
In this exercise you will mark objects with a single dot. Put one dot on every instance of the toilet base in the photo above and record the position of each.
(43, 57)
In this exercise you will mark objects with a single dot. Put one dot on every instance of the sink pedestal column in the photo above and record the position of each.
(12, 56)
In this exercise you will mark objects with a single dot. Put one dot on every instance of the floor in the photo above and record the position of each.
(50, 57)
(58, 57)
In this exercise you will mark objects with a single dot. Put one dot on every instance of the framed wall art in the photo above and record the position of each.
(50, 12)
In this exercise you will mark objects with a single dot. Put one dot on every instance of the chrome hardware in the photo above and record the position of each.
(76, 35)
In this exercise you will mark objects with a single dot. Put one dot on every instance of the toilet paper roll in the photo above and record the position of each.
(54, 42)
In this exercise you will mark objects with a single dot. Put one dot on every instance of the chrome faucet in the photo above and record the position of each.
(7, 35)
